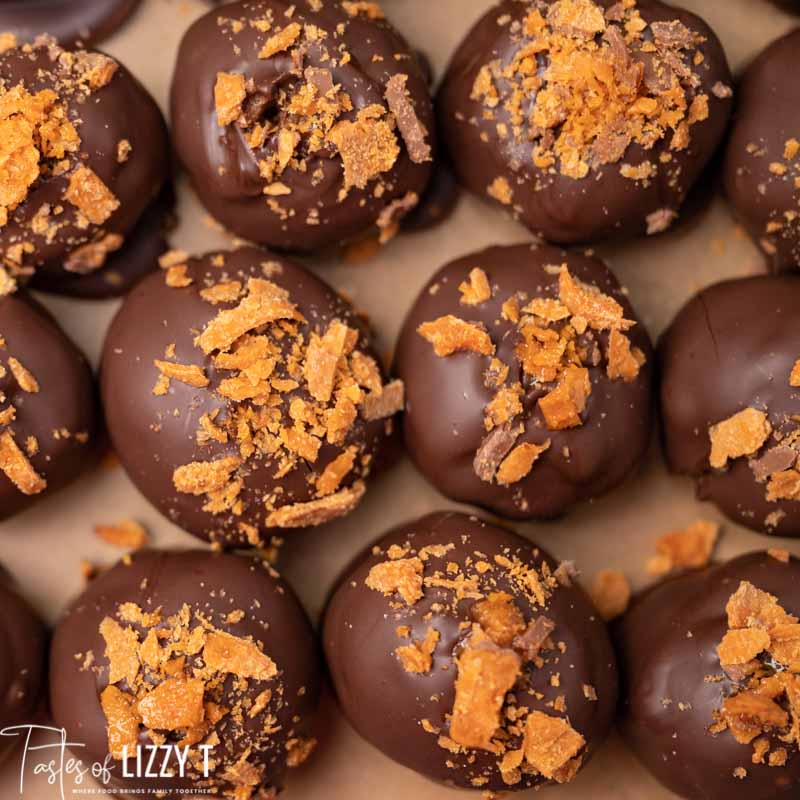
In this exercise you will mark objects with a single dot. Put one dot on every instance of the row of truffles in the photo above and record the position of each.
(244, 398)
(459, 649)
(303, 125)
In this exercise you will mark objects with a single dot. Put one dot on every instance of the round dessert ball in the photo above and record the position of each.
(208, 655)
(762, 161)
(68, 21)
(586, 120)
(23, 656)
(86, 154)
(730, 399)
(243, 397)
(710, 665)
(302, 124)
(465, 653)
(528, 381)
(48, 414)
(123, 269)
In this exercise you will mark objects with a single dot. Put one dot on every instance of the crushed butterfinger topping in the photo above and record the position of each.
(611, 593)
(500, 602)
(560, 335)
(126, 534)
(740, 435)
(450, 335)
(417, 657)
(229, 94)
(760, 655)
(189, 676)
(88, 193)
(476, 289)
(17, 468)
(485, 674)
(19, 447)
(609, 81)
(296, 397)
(295, 127)
(690, 548)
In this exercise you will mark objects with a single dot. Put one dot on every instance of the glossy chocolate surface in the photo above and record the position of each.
(604, 203)
(61, 415)
(68, 21)
(218, 587)
(667, 646)
(23, 647)
(762, 167)
(49, 230)
(387, 705)
(155, 434)
(226, 170)
(732, 347)
(124, 268)
(445, 397)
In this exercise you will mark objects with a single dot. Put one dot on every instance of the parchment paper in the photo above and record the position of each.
(44, 546)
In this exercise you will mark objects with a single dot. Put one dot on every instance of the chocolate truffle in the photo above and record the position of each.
(23, 648)
(710, 663)
(48, 414)
(84, 153)
(730, 399)
(242, 396)
(207, 654)
(585, 119)
(68, 21)
(302, 124)
(122, 269)
(464, 652)
(528, 380)
(762, 160)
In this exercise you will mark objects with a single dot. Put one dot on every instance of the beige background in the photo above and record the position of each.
(44, 546)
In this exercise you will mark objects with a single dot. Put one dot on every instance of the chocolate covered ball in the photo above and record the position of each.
(48, 414)
(23, 656)
(209, 656)
(730, 399)
(762, 160)
(302, 124)
(528, 380)
(710, 663)
(85, 153)
(586, 120)
(243, 397)
(465, 653)
(68, 21)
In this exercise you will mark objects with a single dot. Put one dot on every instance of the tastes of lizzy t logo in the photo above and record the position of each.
(46, 752)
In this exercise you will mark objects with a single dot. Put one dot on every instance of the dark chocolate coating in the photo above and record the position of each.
(23, 658)
(731, 347)
(445, 397)
(151, 440)
(386, 704)
(223, 168)
(561, 209)
(438, 202)
(667, 646)
(122, 109)
(767, 116)
(65, 400)
(68, 21)
(213, 585)
(123, 269)
(788, 5)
